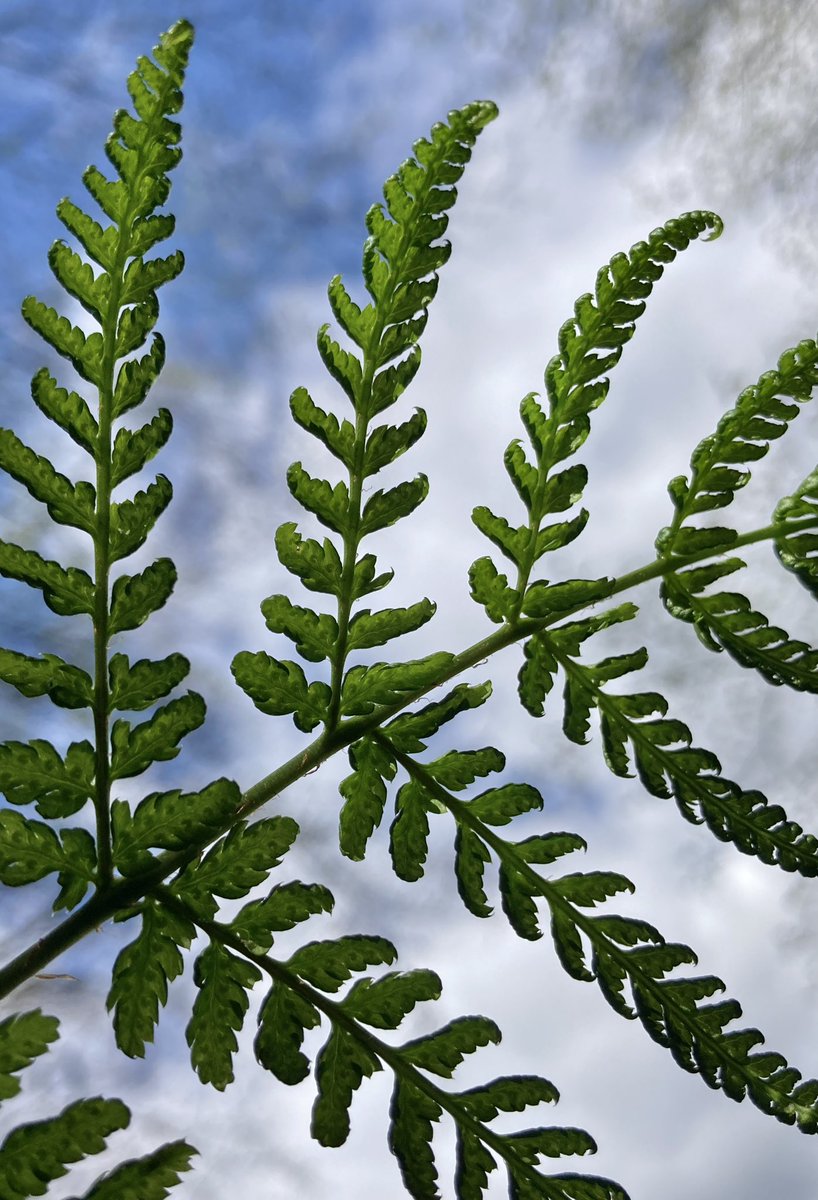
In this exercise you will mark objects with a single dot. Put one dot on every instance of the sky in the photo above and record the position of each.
(293, 117)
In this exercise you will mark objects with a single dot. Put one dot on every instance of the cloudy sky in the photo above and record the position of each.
(612, 120)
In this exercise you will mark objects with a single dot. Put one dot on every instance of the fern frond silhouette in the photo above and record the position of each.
(172, 864)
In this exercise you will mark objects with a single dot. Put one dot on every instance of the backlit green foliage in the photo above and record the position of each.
(166, 863)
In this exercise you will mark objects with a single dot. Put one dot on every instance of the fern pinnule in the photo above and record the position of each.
(575, 385)
(401, 259)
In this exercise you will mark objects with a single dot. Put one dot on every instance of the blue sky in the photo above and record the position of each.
(294, 114)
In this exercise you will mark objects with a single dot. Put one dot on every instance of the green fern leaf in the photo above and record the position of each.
(64, 684)
(474, 1165)
(68, 592)
(328, 965)
(510, 1093)
(519, 904)
(500, 805)
(329, 504)
(458, 768)
(136, 377)
(743, 435)
(147, 1178)
(491, 589)
(81, 869)
(797, 547)
(135, 686)
(547, 848)
(386, 443)
(141, 974)
(317, 566)
(83, 352)
(383, 509)
(66, 502)
(366, 579)
(444, 1050)
(344, 367)
(410, 731)
(389, 683)
(132, 520)
(287, 905)
(33, 1155)
(409, 832)
(169, 820)
(384, 1002)
(78, 279)
(537, 673)
(576, 384)
(279, 687)
(223, 981)
(543, 600)
(34, 773)
(471, 858)
(238, 862)
(357, 323)
(283, 1018)
(23, 1037)
(364, 793)
(66, 409)
(368, 629)
(340, 1068)
(314, 633)
(142, 278)
(411, 1114)
(134, 448)
(135, 747)
(98, 243)
(135, 597)
(134, 326)
(726, 621)
(391, 382)
(338, 437)
(30, 850)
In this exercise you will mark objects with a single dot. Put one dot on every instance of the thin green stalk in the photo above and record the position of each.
(103, 906)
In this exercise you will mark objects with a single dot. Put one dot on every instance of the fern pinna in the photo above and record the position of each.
(166, 864)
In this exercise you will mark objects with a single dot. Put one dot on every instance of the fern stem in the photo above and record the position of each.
(104, 906)
(391, 1055)
(102, 571)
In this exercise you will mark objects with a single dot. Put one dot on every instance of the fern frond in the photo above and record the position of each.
(30, 850)
(401, 259)
(666, 761)
(761, 414)
(300, 999)
(118, 288)
(590, 344)
(622, 952)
